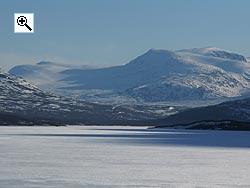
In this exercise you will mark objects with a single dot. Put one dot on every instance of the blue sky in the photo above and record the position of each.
(112, 32)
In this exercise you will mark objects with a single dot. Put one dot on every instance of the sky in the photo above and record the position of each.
(113, 32)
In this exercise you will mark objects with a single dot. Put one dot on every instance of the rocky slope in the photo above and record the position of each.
(21, 103)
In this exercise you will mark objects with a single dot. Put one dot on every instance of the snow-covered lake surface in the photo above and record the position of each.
(115, 157)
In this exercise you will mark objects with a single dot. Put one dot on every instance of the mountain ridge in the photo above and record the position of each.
(160, 76)
(22, 103)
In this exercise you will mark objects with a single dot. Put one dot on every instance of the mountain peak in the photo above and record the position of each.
(153, 50)
(49, 63)
(202, 50)
(216, 52)
(45, 63)
(158, 53)
(153, 57)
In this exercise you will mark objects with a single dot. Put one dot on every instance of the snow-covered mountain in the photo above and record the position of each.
(25, 104)
(46, 75)
(215, 52)
(193, 74)
(158, 76)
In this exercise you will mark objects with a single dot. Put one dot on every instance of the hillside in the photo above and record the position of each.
(203, 74)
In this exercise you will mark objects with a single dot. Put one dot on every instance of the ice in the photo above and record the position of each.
(115, 157)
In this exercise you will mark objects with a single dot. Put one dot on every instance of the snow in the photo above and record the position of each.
(140, 87)
(216, 52)
(155, 76)
(171, 108)
(117, 157)
(46, 75)
(24, 100)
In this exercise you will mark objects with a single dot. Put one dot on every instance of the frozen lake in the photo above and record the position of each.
(114, 157)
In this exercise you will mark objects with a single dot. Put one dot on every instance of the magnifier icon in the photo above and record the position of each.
(22, 21)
